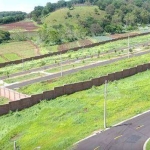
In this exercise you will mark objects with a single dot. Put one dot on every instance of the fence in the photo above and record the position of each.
(70, 88)
(65, 51)
(11, 94)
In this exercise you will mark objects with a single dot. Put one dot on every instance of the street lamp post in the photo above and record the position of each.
(61, 65)
(105, 97)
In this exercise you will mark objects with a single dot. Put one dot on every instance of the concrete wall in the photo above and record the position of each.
(11, 94)
(64, 51)
(69, 89)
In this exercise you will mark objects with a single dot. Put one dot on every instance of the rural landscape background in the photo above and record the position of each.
(54, 64)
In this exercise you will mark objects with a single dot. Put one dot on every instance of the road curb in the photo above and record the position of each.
(145, 144)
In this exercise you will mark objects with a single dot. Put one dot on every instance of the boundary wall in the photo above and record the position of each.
(65, 51)
(11, 94)
(70, 89)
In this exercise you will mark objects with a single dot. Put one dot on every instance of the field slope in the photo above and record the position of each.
(57, 124)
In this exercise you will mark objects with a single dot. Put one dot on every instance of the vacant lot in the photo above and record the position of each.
(57, 124)
(25, 25)
(17, 50)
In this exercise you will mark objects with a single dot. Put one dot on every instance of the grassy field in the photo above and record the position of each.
(57, 124)
(78, 13)
(16, 50)
(72, 55)
(148, 146)
(85, 75)
(3, 100)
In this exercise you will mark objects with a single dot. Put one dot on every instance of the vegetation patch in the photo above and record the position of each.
(3, 100)
(17, 50)
(59, 123)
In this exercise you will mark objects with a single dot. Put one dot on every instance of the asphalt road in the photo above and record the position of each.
(130, 135)
(74, 70)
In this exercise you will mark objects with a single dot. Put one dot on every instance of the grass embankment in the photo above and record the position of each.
(72, 55)
(85, 75)
(24, 77)
(57, 124)
(148, 145)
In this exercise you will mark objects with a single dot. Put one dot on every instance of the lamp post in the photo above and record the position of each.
(105, 97)
(61, 69)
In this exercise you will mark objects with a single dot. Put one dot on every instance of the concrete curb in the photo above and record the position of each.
(145, 144)
(114, 126)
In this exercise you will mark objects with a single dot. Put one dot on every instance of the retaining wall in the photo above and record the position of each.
(64, 51)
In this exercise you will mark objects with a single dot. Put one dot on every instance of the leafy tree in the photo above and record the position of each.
(110, 9)
(96, 29)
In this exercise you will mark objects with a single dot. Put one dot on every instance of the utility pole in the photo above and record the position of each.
(128, 47)
(14, 145)
(105, 97)
(61, 64)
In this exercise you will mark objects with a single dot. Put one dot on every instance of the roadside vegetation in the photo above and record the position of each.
(59, 123)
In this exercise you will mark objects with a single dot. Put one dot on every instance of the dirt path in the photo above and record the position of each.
(36, 50)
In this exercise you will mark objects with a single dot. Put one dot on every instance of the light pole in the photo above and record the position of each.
(61, 65)
(128, 47)
(128, 42)
(105, 97)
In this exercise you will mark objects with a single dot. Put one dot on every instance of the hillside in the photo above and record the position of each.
(79, 13)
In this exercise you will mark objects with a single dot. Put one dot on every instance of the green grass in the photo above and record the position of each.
(2, 59)
(72, 55)
(148, 146)
(3, 100)
(48, 49)
(85, 75)
(24, 77)
(60, 16)
(17, 50)
(11, 56)
(57, 124)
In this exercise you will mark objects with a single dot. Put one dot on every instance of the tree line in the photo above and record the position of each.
(11, 16)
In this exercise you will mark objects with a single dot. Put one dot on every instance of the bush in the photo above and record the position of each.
(4, 35)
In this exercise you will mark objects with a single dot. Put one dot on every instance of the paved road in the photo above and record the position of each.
(130, 135)
(56, 75)
(67, 62)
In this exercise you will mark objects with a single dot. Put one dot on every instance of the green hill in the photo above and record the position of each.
(79, 13)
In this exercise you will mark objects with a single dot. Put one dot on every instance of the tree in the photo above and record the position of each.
(96, 29)
(110, 9)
